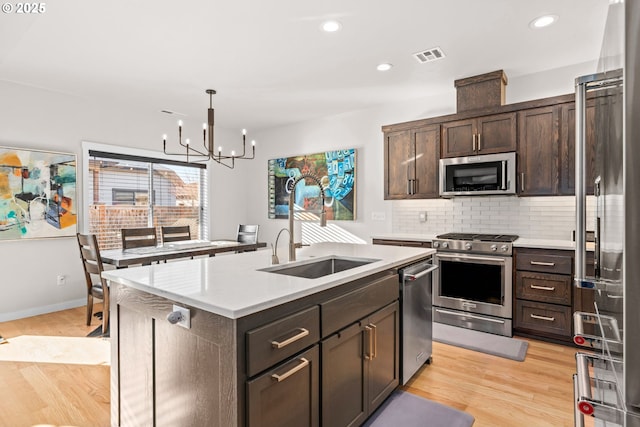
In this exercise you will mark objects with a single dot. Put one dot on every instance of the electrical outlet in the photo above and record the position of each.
(185, 319)
(422, 216)
(61, 280)
(378, 216)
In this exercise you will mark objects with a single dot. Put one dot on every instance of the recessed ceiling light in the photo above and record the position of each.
(384, 66)
(543, 21)
(331, 26)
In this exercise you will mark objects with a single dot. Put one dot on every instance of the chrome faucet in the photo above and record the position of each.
(292, 196)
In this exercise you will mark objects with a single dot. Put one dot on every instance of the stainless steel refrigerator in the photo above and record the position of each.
(607, 383)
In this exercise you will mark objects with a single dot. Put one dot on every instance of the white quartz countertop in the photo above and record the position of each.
(232, 285)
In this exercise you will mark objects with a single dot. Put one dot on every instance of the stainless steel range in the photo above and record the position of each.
(472, 287)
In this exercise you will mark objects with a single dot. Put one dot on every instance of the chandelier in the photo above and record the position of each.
(196, 155)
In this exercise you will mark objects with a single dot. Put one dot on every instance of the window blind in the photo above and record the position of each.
(133, 191)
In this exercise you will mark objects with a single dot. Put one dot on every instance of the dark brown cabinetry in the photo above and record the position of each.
(287, 395)
(263, 369)
(543, 290)
(483, 135)
(411, 163)
(360, 368)
(597, 111)
(538, 151)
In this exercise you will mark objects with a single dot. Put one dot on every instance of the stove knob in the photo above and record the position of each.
(436, 244)
(467, 246)
(494, 248)
(445, 244)
(504, 248)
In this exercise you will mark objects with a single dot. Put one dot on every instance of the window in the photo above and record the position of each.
(118, 189)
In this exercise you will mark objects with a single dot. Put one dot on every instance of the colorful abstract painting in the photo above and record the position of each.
(37, 194)
(336, 171)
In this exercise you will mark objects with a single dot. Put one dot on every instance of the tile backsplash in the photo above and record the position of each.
(529, 217)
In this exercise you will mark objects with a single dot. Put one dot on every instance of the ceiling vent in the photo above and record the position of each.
(429, 55)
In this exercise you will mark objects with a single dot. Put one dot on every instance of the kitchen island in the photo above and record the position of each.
(255, 347)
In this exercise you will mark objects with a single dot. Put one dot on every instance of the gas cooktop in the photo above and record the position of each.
(479, 237)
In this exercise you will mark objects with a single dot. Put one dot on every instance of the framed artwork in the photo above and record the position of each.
(336, 171)
(38, 195)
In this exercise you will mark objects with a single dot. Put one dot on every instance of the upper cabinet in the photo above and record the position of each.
(482, 135)
(411, 163)
(538, 151)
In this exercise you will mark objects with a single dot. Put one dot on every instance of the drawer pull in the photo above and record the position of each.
(369, 332)
(546, 264)
(548, 319)
(303, 363)
(375, 341)
(303, 333)
(543, 288)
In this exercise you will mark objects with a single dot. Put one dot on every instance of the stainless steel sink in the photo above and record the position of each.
(319, 267)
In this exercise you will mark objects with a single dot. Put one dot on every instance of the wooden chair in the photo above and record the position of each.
(247, 234)
(139, 237)
(96, 286)
(174, 234)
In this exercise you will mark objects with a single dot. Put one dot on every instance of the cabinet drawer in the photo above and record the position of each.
(346, 309)
(543, 287)
(282, 338)
(551, 318)
(560, 264)
(288, 395)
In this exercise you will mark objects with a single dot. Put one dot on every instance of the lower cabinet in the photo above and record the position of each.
(545, 296)
(288, 395)
(360, 368)
(543, 290)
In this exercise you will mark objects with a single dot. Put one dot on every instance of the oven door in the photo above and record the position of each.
(473, 283)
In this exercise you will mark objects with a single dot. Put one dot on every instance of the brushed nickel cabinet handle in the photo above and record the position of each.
(303, 333)
(303, 363)
(473, 142)
(369, 355)
(546, 264)
(374, 331)
(408, 186)
(479, 146)
(522, 181)
(548, 319)
(543, 288)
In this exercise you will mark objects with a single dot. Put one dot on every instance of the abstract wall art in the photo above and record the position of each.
(37, 194)
(337, 173)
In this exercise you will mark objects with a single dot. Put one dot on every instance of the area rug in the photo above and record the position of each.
(408, 410)
(496, 345)
(56, 349)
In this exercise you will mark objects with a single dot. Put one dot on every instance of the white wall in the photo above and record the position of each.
(40, 119)
(45, 120)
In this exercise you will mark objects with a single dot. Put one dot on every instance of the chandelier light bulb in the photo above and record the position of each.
(164, 137)
(204, 126)
(187, 141)
(253, 142)
(180, 123)
(233, 153)
(244, 131)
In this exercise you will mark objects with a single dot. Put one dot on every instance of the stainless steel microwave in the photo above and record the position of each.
(488, 174)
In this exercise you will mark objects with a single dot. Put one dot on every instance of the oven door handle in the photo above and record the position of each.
(494, 260)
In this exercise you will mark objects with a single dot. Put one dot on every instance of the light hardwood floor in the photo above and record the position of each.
(497, 392)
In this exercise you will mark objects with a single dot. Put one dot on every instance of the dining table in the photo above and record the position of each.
(121, 258)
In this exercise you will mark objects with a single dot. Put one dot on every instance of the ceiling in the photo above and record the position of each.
(270, 62)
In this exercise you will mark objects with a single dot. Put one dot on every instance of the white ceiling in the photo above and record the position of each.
(270, 62)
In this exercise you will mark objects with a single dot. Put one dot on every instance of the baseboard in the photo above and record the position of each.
(5, 317)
